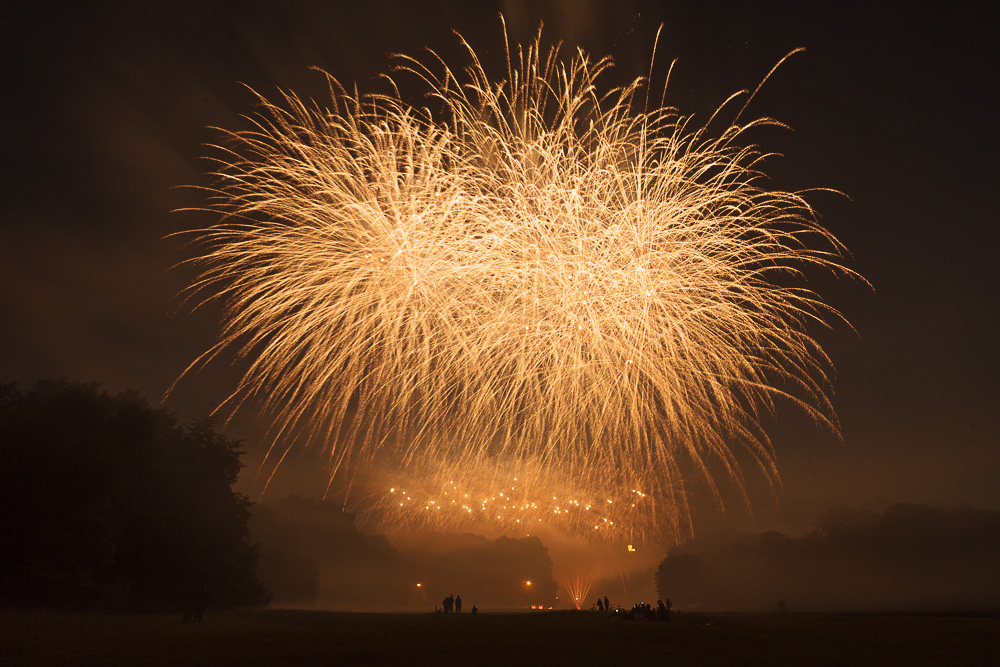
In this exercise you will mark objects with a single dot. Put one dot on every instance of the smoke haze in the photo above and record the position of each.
(910, 558)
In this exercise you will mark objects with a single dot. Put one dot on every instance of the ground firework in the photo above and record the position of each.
(578, 589)
(525, 285)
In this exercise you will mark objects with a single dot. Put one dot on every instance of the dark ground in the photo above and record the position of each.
(285, 637)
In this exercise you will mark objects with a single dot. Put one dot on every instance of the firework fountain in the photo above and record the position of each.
(578, 588)
(529, 300)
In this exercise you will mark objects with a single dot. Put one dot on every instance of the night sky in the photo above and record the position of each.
(106, 111)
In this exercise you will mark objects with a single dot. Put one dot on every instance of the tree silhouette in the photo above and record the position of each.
(109, 502)
(910, 557)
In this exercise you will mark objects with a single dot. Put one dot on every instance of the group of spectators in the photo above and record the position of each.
(453, 603)
(640, 611)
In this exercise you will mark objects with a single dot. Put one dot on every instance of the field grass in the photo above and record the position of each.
(286, 637)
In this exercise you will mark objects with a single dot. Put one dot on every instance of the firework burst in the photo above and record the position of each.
(524, 279)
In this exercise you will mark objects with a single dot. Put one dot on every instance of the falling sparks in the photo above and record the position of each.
(527, 278)
(510, 512)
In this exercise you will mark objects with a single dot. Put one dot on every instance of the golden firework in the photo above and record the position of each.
(527, 278)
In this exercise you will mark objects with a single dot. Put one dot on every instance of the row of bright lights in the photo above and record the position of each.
(528, 506)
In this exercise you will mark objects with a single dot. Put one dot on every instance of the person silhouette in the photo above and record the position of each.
(600, 604)
(458, 604)
(607, 605)
(475, 608)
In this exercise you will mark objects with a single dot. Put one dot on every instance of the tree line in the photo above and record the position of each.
(109, 502)
(314, 554)
(910, 557)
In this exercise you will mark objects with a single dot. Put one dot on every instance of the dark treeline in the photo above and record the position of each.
(311, 550)
(108, 502)
(312, 554)
(910, 558)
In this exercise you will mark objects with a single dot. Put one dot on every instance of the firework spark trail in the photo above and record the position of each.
(535, 280)
(578, 589)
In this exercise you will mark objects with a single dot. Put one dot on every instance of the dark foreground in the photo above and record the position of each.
(278, 637)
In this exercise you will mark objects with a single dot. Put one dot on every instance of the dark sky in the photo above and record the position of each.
(105, 109)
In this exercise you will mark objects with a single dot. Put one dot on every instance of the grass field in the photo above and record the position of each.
(286, 637)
